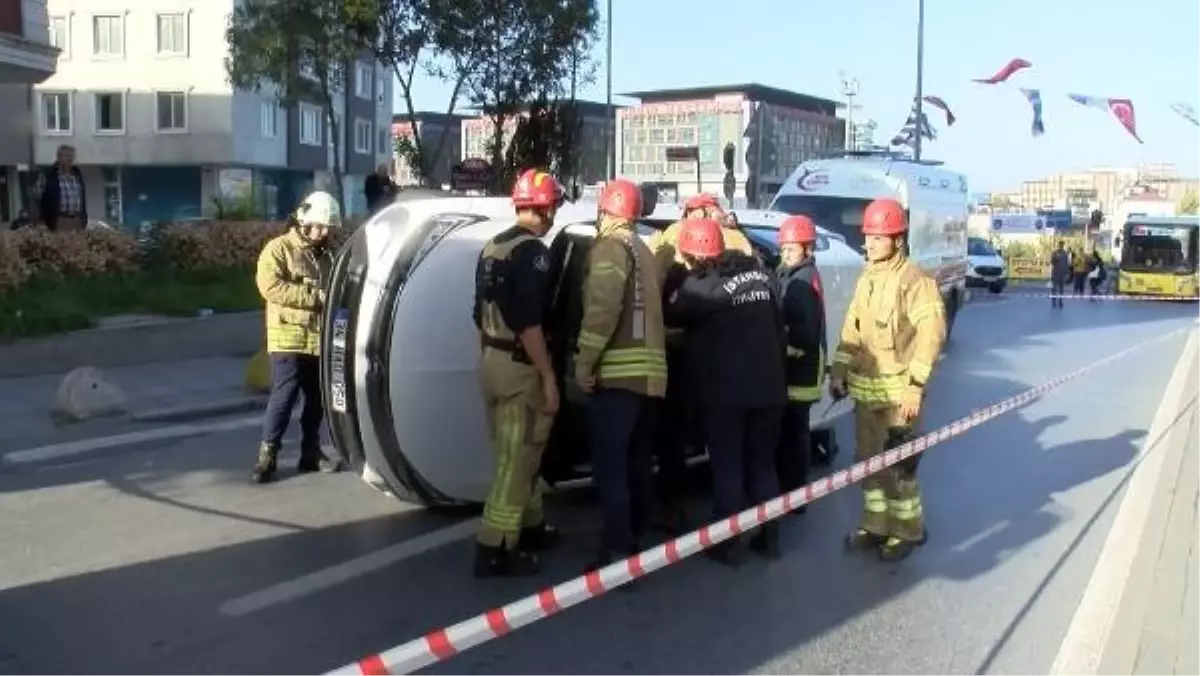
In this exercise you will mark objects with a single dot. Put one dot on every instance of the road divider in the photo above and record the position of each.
(442, 644)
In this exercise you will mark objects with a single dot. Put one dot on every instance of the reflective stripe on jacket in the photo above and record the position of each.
(291, 278)
(621, 336)
(894, 330)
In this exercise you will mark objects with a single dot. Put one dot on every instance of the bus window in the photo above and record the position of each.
(1162, 248)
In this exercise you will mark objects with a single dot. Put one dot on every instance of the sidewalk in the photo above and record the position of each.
(158, 392)
(1159, 617)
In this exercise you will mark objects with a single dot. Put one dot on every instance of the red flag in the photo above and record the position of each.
(1122, 109)
(1006, 72)
(937, 102)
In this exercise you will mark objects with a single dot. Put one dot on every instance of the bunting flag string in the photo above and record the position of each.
(1006, 72)
(1187, 112)
(1034, 97)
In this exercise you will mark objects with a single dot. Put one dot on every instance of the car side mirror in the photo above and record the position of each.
(649, 199)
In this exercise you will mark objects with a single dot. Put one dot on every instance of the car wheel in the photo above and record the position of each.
(997, 287)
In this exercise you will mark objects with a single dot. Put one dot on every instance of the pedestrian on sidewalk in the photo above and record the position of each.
(1060, 274)
(293, 270)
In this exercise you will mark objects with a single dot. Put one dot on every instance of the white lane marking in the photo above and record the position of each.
(73, 448)
(334, 575)
(1088, 634)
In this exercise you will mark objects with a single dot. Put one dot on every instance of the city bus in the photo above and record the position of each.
(1158, 256)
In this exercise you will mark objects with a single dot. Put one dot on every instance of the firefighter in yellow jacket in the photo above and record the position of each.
(293, 270)
(703, 205)
(515, 372)
(892, 335)
(620, 361)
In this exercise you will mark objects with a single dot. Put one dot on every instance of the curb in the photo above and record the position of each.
(209, 409)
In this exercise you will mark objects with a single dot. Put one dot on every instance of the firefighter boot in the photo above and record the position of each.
(860, 539)
(503, 562)
(731, 552)
(895, 549)
(540, 538)
(313, 459)
(268, 462)
(766, 541)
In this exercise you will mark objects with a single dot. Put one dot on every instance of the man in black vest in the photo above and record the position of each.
(61, 194)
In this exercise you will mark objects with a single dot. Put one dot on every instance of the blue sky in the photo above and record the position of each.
(1145, 51)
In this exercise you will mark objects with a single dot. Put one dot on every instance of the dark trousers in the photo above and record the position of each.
(1058, 288)
(1080, 280)
(795, 446)
(673, 434)
(294, 374)
(742, 443)
(620, 436)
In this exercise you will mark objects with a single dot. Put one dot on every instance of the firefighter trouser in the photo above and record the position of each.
(292, 375)
(512, 394)
(620, 434)
(891, 498)
(674, 434)
(742, 443)
(795, 446)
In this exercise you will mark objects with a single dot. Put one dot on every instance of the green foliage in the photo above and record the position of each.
(546, 138)
(1190, 203)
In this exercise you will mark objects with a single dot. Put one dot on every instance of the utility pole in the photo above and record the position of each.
(610, 159)
(850, 90)
(918, 108)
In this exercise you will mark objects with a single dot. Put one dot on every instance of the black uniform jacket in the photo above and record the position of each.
(733, 346)
(804, 316)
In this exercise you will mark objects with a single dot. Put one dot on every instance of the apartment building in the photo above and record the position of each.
(428, 127)
(1103, 188)
(141, 92)
(771, 131)
(26, 58)
(591, 164)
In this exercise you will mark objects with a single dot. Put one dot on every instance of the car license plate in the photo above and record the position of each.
(337, 361)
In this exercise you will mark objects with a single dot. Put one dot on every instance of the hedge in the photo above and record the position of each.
(51, 281)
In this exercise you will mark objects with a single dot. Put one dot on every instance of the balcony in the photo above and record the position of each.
(26, 56)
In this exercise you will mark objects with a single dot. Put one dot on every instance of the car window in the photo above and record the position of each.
(842, 215)
(977, 246)
(767, 233)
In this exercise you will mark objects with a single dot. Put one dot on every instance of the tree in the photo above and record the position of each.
(434, 37)
(298, 50)
(1190, 203)
(545, 137)
(527, 52)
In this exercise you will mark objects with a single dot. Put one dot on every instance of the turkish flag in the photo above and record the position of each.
(1006, 72)
(1122, 109)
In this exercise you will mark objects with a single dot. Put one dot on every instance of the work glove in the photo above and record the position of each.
(910, 403)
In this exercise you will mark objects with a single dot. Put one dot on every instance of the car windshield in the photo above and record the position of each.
(977, 246)
(1165, 248)
(841, 215)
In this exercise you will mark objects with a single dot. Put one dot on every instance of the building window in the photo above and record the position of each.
(108, 36)
(173, 34)
(310, 125)
(363, 135)
(384, 147)
(364, 74)
(110, 112)
(269, 119)
(60, 35)
(172, 111)
(56, 112)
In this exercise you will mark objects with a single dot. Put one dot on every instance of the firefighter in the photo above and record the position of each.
(517, 379)
(893, 332)
(620, 361)
(677, 431)
(804, 318)
(734, 373)
(292, 273)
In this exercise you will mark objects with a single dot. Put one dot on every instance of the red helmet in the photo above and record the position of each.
(884, 217)
(702, 238)
(797, 230)
(621, 198)
(535, 189)
(701, 201)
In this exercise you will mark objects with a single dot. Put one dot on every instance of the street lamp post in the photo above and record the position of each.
(609, 138)
(918, 107)
(850, 90)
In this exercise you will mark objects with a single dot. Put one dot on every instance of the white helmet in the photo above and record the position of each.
(319, 208)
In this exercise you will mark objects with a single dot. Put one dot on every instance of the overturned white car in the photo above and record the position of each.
(400, 349)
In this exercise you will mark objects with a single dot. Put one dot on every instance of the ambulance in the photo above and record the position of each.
(834, 192)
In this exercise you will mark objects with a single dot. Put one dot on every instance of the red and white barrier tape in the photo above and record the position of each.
(1083, 296)
(443, 644)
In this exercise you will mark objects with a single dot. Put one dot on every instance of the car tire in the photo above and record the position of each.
(997, 287)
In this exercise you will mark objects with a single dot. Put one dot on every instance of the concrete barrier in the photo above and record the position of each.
(85, 393)
(233, 334)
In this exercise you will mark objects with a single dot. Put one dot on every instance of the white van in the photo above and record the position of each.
(834, 192)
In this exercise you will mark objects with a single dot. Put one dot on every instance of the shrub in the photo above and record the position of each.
(13, 270)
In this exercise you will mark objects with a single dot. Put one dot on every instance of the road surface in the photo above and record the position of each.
(160, 558)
